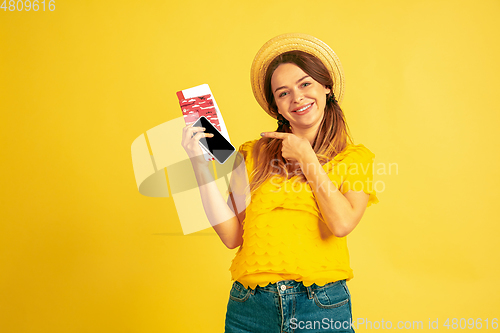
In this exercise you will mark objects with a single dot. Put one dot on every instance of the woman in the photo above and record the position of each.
(310, 186)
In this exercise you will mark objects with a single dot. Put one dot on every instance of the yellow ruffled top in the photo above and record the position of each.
(284, 234)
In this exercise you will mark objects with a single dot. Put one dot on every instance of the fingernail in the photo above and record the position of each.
(261, 134)
(203, 128)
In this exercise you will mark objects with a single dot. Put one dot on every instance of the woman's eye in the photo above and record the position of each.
(305, 84)
(282, 94)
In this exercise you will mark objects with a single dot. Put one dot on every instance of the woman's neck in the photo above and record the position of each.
(307, 133)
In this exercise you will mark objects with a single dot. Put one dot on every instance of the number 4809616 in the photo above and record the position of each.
(27, 5)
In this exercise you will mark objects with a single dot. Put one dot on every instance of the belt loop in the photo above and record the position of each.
(310, 292)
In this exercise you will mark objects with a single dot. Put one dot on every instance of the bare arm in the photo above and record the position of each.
(342, 213)
(222, 218)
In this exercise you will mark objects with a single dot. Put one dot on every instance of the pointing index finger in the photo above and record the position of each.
(276, 135)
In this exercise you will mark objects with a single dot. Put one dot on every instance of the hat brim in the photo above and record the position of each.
(292, 42)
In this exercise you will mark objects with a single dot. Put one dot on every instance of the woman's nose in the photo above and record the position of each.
(297, 96)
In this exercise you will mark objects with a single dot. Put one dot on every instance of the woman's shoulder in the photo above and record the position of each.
(246, 148)
(355, 152)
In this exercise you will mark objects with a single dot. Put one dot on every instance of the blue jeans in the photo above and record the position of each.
(288, 306)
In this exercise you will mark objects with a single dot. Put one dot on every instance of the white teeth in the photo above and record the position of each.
(304, 108)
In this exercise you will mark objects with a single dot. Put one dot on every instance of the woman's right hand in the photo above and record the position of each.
(190, 138)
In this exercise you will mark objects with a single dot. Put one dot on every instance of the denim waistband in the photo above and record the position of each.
(291, 287)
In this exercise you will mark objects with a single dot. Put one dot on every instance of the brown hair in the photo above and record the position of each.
(332, 137)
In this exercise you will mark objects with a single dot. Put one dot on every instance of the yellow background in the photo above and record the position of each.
(82, 251)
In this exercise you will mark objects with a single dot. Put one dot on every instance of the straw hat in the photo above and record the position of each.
(292, 42)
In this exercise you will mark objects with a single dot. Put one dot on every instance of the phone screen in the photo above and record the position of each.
(217, 146)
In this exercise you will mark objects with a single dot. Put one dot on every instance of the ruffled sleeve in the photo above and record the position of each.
(354, 171)
(246, 151)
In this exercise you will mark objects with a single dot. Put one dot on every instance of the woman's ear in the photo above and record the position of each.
(327, 90)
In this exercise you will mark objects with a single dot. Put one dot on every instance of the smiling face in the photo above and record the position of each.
(299, 98)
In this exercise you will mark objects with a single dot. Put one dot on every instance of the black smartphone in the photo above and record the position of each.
(217, 146)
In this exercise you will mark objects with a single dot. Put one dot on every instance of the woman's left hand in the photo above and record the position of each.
(294, 148)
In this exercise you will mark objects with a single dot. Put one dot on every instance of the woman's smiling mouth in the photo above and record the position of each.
(304, 109)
